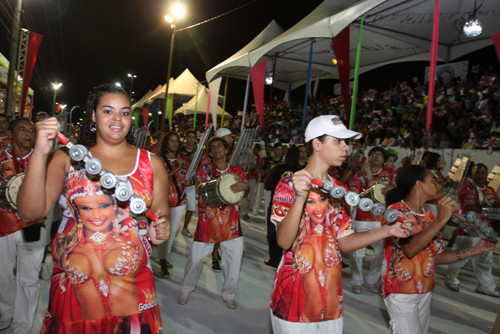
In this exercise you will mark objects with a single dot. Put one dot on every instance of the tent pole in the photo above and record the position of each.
(308, 82)
(245, 103)
(196, 106)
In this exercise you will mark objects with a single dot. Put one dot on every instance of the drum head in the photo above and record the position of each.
(377, 193)
(13, 189)
(225, 192)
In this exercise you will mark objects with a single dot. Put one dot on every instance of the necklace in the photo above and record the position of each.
(414, 211)
(319, 229)
(99, 237)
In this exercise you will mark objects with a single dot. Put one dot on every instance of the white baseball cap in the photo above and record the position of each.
(329, 125)
(222, 132)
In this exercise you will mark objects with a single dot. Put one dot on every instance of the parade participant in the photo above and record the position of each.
(303, 156)
(177, 167)
(314, 229)
(409, 263)
(99, 257)
(254, 164)
(20, 259)
(275, 175)
(216, 224)
(274, 160)
(434, 164)
(4, 132)
(472, 196)
(391, 156)
(188, 149)
(374, 172)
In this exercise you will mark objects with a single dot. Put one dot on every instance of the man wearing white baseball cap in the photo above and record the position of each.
(314, 229)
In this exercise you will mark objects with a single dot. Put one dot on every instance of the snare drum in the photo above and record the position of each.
(217, 192)
(8, 192)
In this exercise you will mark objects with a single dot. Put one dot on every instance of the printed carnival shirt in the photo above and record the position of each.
(402, 274)
(385, 176)
(308, 285)
(220, 223)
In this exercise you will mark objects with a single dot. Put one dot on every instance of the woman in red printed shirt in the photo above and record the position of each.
(409, 263)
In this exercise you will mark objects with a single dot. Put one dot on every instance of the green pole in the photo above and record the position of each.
(356, 74)
(196, 106)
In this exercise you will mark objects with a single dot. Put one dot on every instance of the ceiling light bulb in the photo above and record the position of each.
(473, 28)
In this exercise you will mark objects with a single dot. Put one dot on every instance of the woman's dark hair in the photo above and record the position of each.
(164, 143)
(406, 179)
(292, 156)
(432, 160)
(87, 137)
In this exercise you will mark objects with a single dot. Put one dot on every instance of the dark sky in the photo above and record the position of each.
(88, 42)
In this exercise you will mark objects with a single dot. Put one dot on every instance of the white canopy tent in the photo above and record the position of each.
(198, 103)
(394, 31)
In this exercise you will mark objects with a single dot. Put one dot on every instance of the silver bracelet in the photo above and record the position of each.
(457, 253)
(469, 252)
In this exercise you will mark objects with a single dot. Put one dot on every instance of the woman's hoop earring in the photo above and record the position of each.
(93, 127)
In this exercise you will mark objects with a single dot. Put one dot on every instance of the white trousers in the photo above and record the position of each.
(191, 197)
(258, 198)
(410, 313)
(231, 254)
(281, 326)
(176, 213)
(481, 264)
(356, 257)
(252, 194)
(20, 265)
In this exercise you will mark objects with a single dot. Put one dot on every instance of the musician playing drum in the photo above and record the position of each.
(472, 196)
(18, 258)
(217, 224)
(372, 173)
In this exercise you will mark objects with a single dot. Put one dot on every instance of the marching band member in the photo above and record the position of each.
(409, 263)
(219, 224)
(472, 196)
(177, 166)
(314, 229)
(20, 255)
(373, 173)
(188, 149)
(102, 280)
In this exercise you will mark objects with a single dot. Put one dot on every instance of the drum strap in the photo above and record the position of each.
(17, 165)
(180, 195)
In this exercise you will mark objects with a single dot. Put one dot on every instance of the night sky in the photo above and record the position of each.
(88, 42)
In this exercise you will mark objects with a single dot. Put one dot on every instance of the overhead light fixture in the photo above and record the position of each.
(269, 79)
(473, 27)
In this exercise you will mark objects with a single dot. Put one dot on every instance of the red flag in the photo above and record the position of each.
(496, 41)
(33, 45)
(341, 49)
(258, 73)
(145, 114)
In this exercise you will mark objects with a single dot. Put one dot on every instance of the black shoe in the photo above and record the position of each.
(216, 266)
(164, 269)
(344, 265)
(270, 263)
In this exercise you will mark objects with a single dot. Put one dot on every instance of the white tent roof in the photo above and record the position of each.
(240, 58)
(200, 102)
(394, 31)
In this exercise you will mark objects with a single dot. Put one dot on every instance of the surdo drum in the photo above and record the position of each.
(217, 192)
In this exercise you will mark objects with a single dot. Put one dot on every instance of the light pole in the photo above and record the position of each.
(177, 12)
(10, 99)
(56, 86)
(132, 77)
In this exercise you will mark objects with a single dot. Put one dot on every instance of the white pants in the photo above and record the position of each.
(176, 213)
(410, 313)
(281, 326)
(231, 254)
(19, 290)
(356, 257)
(267, 201)
(191, 197)
(258, 197)
(252, 193)
(481, 264)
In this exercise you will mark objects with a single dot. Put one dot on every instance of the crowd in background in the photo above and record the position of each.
(465, 114)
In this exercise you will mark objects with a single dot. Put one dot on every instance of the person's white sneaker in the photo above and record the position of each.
(183, 299)
(230, 303)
